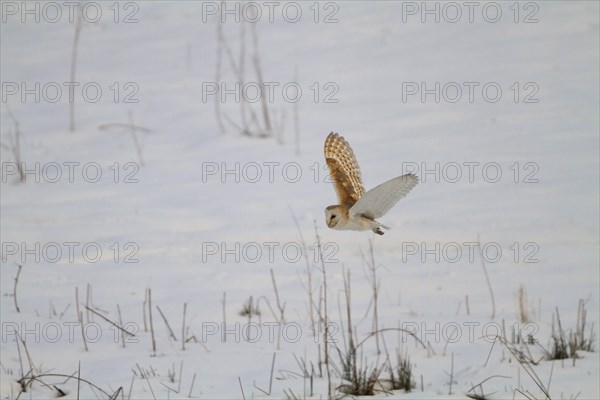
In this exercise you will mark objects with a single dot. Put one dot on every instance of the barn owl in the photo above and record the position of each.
(358, 210)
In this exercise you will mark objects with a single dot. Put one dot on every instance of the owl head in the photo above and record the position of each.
(336, 216)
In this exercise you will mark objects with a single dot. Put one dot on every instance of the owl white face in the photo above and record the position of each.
(333, 216)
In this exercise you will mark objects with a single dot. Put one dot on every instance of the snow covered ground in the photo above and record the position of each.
(508, 153)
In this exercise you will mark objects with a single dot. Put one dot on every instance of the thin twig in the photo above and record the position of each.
(218, 77)
(166, 323)
(183, 328)
(375, 288)
(223, 302)
(370, 335)
(192, 385)
(78, 377)
(144, 308)
(121, 324)
(487, 279)
(116, 394)
(261, 82)
(150, 386)
(77, 301)
(150, 317)
(72, 73)
(110, 322)
(83, 331)
(279, 306)
(296, 118)
(467, 303)
(136, 142)
(309, 288)
(241, 388)
(180, 376)
(88, 301)
(271, 377)
(325, 316)
(351, 347)
(131, 386)
(451, 374)
(15, 288)
(15, 144)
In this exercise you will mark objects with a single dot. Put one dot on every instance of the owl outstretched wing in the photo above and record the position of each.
(379, 200)
(343, 169)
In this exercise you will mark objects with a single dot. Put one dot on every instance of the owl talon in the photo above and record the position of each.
(378, 231)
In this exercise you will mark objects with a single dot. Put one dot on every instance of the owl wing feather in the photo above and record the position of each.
(343, 169)
(379, 200)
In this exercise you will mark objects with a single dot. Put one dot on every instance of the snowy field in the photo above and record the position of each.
(169, 220)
